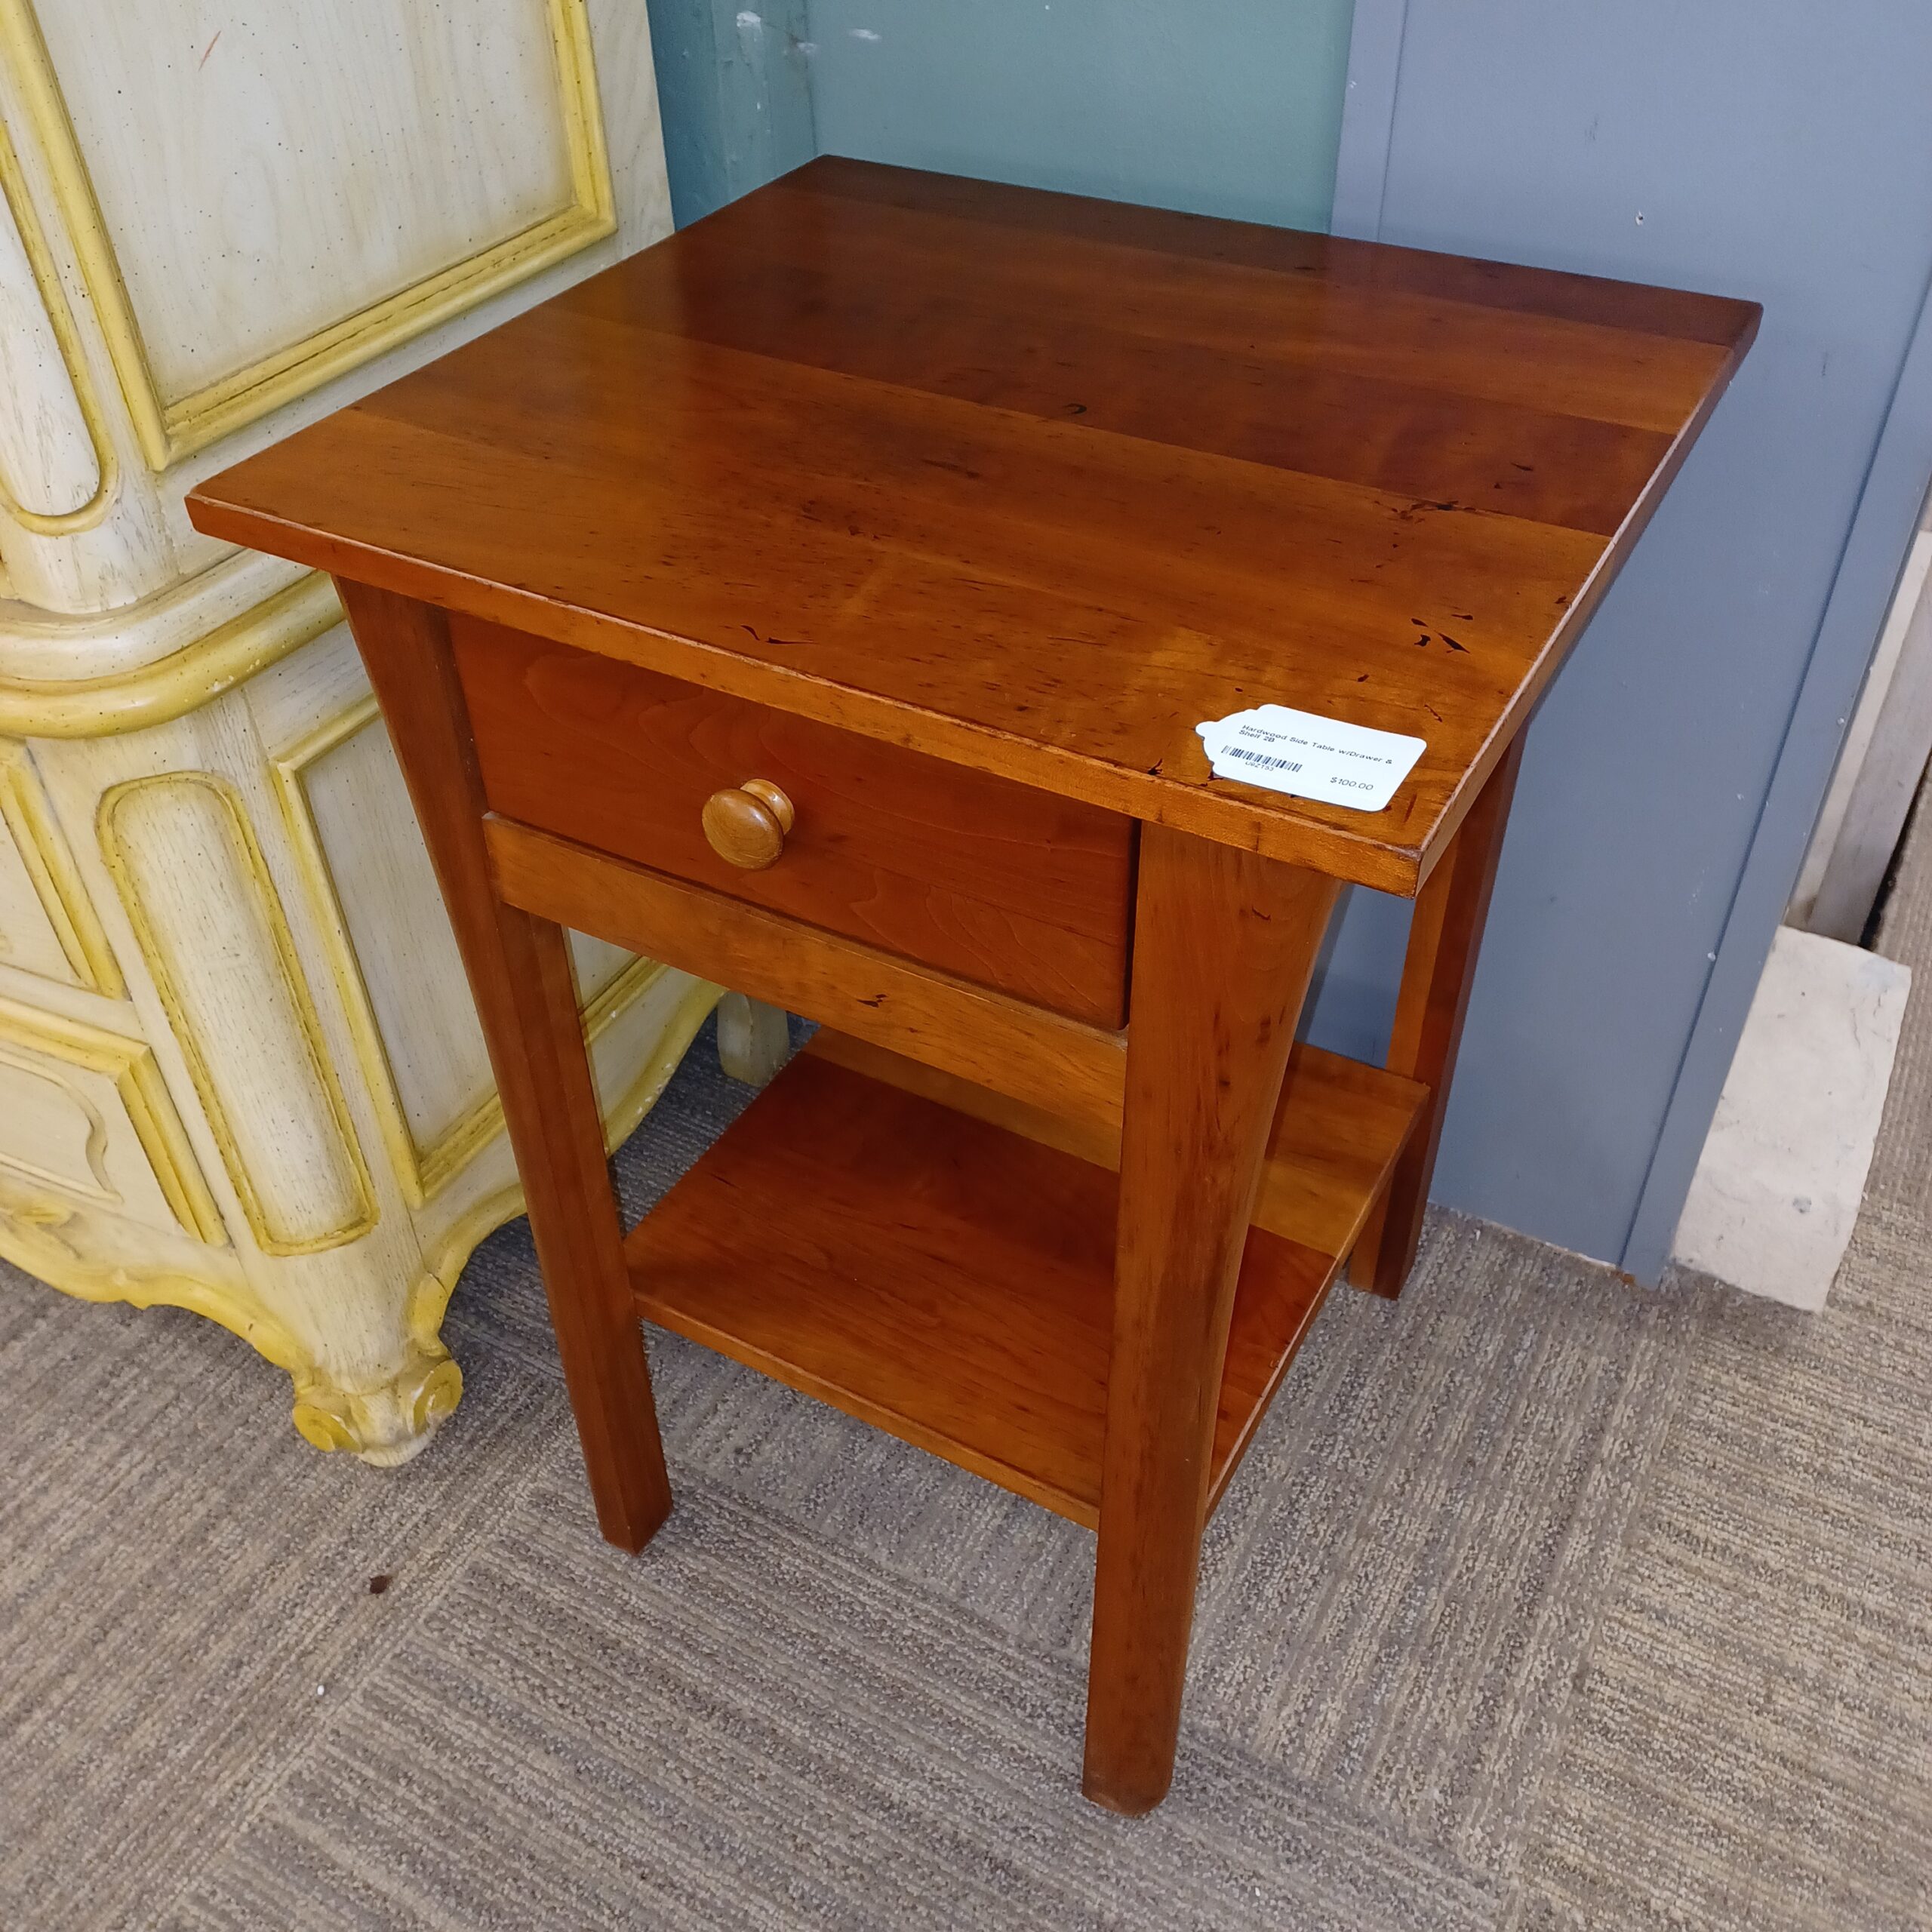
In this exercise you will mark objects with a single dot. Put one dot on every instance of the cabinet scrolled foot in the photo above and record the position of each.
(385, 1425)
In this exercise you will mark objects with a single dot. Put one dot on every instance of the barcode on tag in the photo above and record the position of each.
(1310, 757)
(1257, 757)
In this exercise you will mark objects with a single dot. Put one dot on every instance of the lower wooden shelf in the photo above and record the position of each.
(951, 1281)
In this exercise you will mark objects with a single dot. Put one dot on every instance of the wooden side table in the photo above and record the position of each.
(825, 601)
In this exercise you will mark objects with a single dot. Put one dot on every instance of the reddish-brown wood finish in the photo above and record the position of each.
(979, 877)
(1035, 484)
(939, 514)
(938, 1277)
(1338, 1127)
(1224, 946)
(520, 973)
(1445, 935)
(746, 825)
(1034, 1054)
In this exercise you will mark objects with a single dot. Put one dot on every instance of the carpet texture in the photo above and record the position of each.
(1541, 1602)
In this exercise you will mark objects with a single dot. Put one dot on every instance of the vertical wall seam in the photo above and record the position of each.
(1705, 1059)
(811, 73)
(1375, 39)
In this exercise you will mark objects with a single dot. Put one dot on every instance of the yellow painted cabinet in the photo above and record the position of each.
(239, 1072)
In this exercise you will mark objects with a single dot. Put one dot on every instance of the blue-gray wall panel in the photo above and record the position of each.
(1775, 150)
(1882, 533)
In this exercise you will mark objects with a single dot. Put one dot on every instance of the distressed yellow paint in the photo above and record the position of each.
(131, 1065)
(363, 1381)
(67, 339)
(422, 1172)
(50, 868)
(32, 1238)
(247, 849)
(49, 1239)
(167, 430)
(183, 681)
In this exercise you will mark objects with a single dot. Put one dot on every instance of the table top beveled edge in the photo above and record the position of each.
(1289, 830)
(1224, 811)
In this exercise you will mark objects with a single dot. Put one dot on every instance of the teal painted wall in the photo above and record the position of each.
(734, 89)
(1227, 107)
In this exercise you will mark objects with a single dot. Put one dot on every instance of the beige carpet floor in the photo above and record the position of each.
(1542, 1602)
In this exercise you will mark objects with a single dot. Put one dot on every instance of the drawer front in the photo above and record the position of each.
(993, 881)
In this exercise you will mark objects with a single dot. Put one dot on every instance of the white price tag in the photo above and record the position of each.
(1310, 757)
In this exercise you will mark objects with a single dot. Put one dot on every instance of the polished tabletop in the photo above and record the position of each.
(1038, 483)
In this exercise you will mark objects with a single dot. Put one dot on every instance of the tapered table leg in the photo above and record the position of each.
(1224, 946)
(519, 971)
(1444, 937)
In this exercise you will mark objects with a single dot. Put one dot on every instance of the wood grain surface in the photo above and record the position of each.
(1224, 944)
(982, 878)
(1036, 484)
(1340, 1127)
(1034, 1054)
(937, 1276)
(1438, 974)
(519, 971)
(745, 825)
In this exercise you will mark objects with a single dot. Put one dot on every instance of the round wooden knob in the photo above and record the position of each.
(746, 824)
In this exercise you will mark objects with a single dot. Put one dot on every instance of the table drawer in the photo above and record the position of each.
(991, 880)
